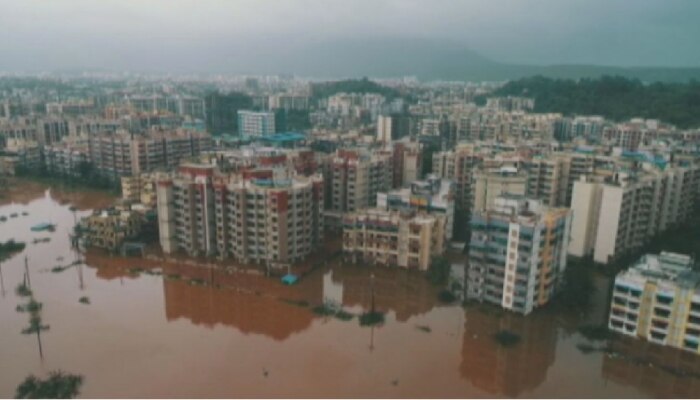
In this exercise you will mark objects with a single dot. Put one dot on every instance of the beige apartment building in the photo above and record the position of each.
(108, 229)
(395, 238)
(490, 184)
(256, 219)
(125, 154)
(356, 176)
(458, 166)
(141, 188)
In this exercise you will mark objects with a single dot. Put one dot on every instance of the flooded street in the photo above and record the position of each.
(157, 330)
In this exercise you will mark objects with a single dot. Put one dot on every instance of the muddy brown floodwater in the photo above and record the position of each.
(179, 330)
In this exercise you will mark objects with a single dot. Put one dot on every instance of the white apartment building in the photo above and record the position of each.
(621, 213)
(256, 123)
(517, 253)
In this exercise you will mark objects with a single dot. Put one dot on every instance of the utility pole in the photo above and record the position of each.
(2, 283)
(26, 271)
(372, 286)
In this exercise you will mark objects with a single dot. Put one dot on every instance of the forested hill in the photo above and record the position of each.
(616, 98)
(364, 85)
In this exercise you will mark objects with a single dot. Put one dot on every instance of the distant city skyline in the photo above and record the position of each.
(239, 36)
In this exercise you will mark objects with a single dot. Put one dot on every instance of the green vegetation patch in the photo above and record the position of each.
(613, 97)
(9, 248)
(446, 296)
(439, 271)
(35, 325)
(595, 332)
(371, 318)
(32, 306)
(344, 315)
(58, 385)
(22, 290)
(506, 338)
(323, 310)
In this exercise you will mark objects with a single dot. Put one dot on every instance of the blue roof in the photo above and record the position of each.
(284, 137)
(289, 279)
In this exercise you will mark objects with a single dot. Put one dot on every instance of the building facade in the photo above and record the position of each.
(517, 253)
(393, 238)
(432, 195)
(658, 299)
(256, 123)
(252, 219)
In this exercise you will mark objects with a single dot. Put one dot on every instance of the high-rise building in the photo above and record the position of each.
(458, 165)
(356, 176)
(392, 127)
(517, 253)
(126, 154)
(256, 123)
(407, 156)
(658, 299)
(250, 218)
(619, 214)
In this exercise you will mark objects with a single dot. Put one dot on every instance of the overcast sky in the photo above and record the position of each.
(144, 34)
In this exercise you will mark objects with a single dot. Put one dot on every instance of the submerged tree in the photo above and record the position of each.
(58, 385)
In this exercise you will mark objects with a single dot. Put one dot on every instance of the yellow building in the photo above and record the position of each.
(658, 299)
(108, 229)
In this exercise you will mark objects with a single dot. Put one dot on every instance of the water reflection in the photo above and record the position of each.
(406, 293)
(507, 371)
(655, 369)
(248, 312)
(238, 324)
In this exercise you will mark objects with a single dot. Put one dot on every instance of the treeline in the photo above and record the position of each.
(364, 85)
(613, 97)
(87, 177)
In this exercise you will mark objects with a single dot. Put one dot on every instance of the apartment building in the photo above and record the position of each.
(658, 300)
(126, 154)
(619, 214)
(489, 184)
(407, 162)
(24, 154)
(109, 228)
(356, 176)
(517, 253)
(140, 188)
(252, 219)
(392, 127)
(458, 166)
(256, 123)
(395, 238)
(66, 158)
(432, 196)
(288, 101)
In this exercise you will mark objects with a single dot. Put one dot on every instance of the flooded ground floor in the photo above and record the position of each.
(136, 327)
